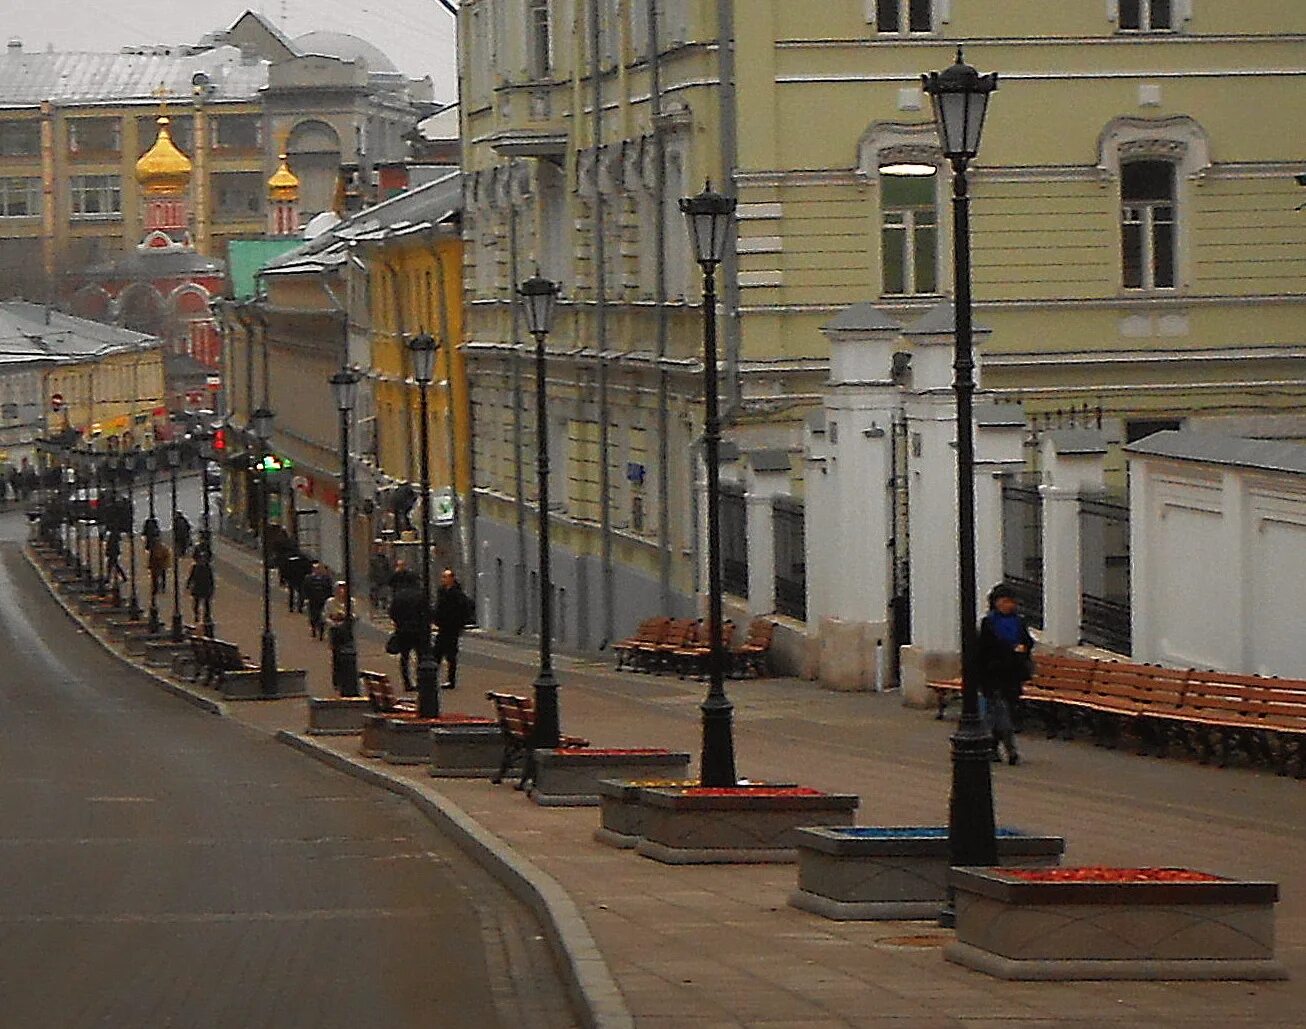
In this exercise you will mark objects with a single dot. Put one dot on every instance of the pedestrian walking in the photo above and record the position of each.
(1004, 664)
(335, 614)
(453, 612)
(181, 533)
(113, 556)
(150, 532)
(298, 567)
(378, 576)
(408, 612)
(200, 584)
(403, 578)
(317, 590)
(159, 558)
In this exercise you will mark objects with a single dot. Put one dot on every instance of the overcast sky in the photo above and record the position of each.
(416, 34)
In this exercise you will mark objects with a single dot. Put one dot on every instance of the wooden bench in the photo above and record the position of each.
(753, 655)
(692, 658)
(381, 694)
(1206, 713)
(650, 632)
(212, 659)
(516, 718)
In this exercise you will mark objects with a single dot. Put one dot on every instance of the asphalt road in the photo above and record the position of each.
(163, 867)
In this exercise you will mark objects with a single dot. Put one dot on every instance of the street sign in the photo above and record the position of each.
(442, 508)
(56, 402)
(213, 383)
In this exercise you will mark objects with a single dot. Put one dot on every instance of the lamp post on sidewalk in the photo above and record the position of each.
(115, 470)
(83, 519)
(206, 534)
(152, 466)
(261, 420)
(132, 463)
(174, 462)
(539, 298)
(344, 384)
(960, 97)
(710, 216)
(422, 348)
(99, 475)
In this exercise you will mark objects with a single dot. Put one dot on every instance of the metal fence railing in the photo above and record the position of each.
(790, 558)
(1104, 572)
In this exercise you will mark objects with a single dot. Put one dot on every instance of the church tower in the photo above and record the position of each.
(283, 201)
(164, 174)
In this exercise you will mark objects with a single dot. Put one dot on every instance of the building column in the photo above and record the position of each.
(768, 478)
(1073, 464)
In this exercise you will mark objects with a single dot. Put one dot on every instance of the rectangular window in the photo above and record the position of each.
(238, 195)
(96, 196)
(20, 198)
(909, 233)
(1147, 225)
(1146, 16)
(20, 139)
(238, 132)
(900, 16)
(539, 56)
(94, 136)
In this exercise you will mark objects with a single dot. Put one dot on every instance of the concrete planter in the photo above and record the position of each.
(135, 643)
(855, 873)
(570, 777)
(160, 653)
(621, 814)
(405, 739)
(337, 716)
(465, 751)
(248, 685)
(741, 825)
(1111, 926)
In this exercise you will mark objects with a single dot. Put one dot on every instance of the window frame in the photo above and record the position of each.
(21, 129)
(27, 186)
(1147, 225)
(1145, 26)
(539, 52)
(903, 17)
(108, 185)
(909, 239)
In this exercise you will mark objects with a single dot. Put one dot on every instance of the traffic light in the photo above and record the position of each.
(220, 440)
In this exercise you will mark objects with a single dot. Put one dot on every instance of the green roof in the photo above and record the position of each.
(247, 257)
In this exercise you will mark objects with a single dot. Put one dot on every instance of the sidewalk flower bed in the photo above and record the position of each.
(739, 824)
(404, 739)
(1114, 923)
(570, 776)
(621, 815)
(854, 873)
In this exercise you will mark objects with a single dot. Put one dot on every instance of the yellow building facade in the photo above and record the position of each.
(1136, 250)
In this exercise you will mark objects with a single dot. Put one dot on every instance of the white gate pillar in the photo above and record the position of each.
(999, 451)
(1074, 463)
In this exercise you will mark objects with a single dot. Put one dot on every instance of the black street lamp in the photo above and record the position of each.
(83, 514)
(206, 535)
(261, 420)
(711, 216)
(539, 298)
(152, 466)
(422, 348)
(174, 462)
(960, 96)
(99, 475)
(344, 384)
(132, 461)
(114, 465)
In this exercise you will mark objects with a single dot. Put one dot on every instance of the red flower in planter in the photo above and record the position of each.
(751, 791)
(1104, 874)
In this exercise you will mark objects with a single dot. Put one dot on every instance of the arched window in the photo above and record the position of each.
(1147, 224)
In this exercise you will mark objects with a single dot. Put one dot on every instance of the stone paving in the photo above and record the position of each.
(718, 946)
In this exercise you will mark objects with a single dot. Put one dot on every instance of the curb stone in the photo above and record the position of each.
(593, 991)
(592, 987)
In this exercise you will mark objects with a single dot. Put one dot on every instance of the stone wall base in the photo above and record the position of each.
(847, 653)
(1149, 969)
(248, 685)
(922, 666)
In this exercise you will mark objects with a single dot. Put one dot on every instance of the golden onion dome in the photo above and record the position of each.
(164, 170)
(284, 184)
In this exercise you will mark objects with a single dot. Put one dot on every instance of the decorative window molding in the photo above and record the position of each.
(896, 143)
(1178, 139)
(1181, 12)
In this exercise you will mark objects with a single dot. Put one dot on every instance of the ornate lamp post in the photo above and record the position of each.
(422, 348)
(261, 420)
(88, 540)
(132, 464)
(960, 96)
(99, 476)
(711, 216)
(174, 462)
(539, 298)
(344, 384)
(114, 464)
(152, 466)
(206, 534)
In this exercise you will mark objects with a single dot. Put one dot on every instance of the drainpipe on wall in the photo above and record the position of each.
(663, 315)
(601, 333)
(730, 165)
(518, 472)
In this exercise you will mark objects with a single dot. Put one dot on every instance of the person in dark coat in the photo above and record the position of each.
(298, 567)
(453, 611)
(411, 618)
(378, 575)
(1005, 664)
(403, 578)
(317, 589)
(113, 556)
(150, 532)
(181, 533)
(199, 584)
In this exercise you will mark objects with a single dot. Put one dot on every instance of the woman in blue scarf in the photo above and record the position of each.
(1005, 665)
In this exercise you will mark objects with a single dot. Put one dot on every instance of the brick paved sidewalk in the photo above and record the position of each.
(718, 946)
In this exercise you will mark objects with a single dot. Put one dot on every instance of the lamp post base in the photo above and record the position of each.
(428, 683)
(972, 836)
(547, 727)
(155, 624)
(176, 627)
(717, 764)
(268, 664)
(345, 664)
(134, 611)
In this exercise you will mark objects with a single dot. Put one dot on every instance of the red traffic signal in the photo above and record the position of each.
(220, 440)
